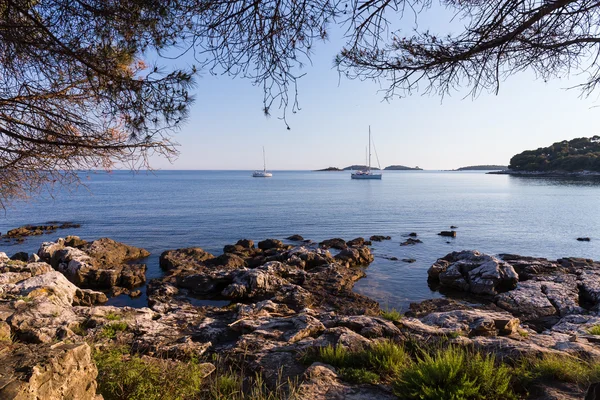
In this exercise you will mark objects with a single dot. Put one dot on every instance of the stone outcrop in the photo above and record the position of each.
(471, 271)
(266, 306)
(50, 372)
(100, 264)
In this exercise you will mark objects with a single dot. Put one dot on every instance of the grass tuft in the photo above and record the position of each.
(594, 330)
(391, 314)
(455, 373)
(110, 331)
(112, 316)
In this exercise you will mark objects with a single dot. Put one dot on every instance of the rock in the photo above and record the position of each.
(20, 256)
(379, 238)
(593, 392)
(583, 239)
(413, 234)
(87, 297)
(4, 258)
(474, 272)
(61, 371)
(353, 256)
(409, 260)
(75, 241)
(111, 253)
(245, 243)
(5, 333)
(227, 260)
(410, 241)
(474, 322)
(103, 273)
(295, 238)
(358, 242)
(335, 243)
(135, 293)
(99, 265)
(448, 233)
(190, 258)
(33, 258)
(322, 383)
(270, 244)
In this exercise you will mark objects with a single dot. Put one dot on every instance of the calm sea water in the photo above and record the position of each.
(174, 209)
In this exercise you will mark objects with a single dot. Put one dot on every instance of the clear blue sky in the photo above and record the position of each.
(227, 129)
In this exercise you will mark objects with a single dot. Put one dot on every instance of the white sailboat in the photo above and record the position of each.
(263, 173)
(367, 173)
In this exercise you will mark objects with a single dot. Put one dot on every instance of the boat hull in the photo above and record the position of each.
(262, 175)
(366, 176)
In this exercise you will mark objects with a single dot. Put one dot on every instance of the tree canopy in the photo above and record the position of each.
(581, 154)
(77, 91)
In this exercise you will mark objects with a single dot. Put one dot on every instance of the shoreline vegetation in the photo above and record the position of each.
(291, 327)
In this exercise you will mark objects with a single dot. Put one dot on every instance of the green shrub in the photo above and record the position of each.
(594, 330)
(391, 314)
(112, 316)
(454, 373)
(110, 331)
(387, 358)
(358, 375)
(563, 368)
(124, 376)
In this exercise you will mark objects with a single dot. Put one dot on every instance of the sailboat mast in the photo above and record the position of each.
(264, 160)
(369, 169)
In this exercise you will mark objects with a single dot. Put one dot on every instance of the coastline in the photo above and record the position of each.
(280, 303)
(549, 174)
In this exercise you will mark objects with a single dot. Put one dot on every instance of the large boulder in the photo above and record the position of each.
(50, 372)
(190, 258)
(101, 264)
(472, 271)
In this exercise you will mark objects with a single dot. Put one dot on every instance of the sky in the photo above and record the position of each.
(227, 129)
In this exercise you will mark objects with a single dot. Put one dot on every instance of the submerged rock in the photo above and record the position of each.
(447, 233)
(379, 238)
(295, 238)
(410, 241)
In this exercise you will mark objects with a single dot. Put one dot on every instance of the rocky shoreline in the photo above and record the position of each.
(548, 174)
(280, 302)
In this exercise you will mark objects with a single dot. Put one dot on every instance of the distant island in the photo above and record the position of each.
(575, 157)
(482, 168)
(357, 167)
(329, 169)
(402, 168)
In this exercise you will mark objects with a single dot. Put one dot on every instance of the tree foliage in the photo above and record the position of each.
(581, 154)
(77, 91)
(500, 38)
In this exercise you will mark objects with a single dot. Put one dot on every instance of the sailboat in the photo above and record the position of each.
(367, 173)
(263, 173)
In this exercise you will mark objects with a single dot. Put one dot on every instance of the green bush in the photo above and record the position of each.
(563, 368)
(110, 331)
(380, 361)
(454, 374)
(594, 330)
(358, 375)
(391, 314)
(112, 316)
(123, 376)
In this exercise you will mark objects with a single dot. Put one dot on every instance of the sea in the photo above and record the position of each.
(162, 210)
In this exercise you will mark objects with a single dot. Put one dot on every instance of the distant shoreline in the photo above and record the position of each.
(549, 174)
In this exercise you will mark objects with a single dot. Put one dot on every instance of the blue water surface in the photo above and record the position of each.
(174, 209)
